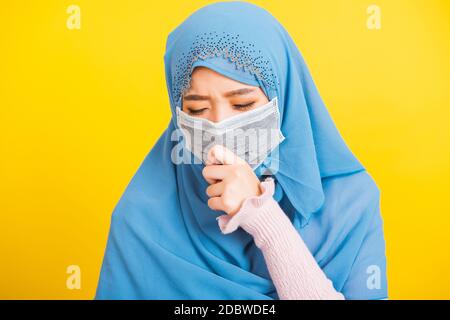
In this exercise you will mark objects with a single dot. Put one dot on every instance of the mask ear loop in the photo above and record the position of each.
(277, 107)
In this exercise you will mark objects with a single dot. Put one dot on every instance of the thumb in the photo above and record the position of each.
(221, 155)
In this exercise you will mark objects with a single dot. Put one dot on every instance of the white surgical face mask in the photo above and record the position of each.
(251, 135)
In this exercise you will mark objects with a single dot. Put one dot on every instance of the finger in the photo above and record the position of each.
(215, 190)
(215, 172)
(215, 203)
(207, 178)
(211, 181)
(220, 154)
(210, 159)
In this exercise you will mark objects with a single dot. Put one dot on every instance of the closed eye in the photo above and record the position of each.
(243, 106)
(196, 111)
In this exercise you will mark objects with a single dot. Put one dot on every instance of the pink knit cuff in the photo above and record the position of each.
(249, 208)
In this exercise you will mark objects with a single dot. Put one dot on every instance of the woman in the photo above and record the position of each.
(298, 218)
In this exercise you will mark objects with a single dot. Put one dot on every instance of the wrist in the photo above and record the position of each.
(249, 207)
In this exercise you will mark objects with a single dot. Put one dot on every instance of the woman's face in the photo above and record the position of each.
(216, 97)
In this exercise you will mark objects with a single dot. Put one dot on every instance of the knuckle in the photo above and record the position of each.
(205, 171)
(231, 188)
(234, 173)
(243, 167)
(211, 203)
(228, 203)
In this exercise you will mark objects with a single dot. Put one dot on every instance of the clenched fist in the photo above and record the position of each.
(231, 180)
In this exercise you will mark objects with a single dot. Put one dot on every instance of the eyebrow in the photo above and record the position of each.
(197, 97)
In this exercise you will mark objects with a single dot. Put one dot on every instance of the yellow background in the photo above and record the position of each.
(81, 108)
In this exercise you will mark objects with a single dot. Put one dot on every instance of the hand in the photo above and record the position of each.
(231, 180)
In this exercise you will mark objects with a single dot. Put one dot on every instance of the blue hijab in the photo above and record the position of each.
(164, 241)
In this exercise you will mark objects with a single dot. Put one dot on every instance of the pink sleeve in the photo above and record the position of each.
(294, 271)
